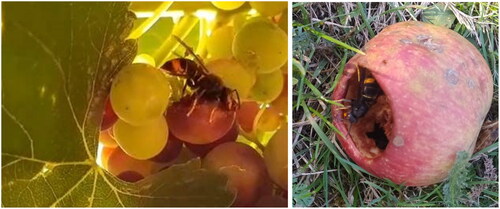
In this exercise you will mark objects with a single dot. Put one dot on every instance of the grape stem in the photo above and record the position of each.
(142, 28)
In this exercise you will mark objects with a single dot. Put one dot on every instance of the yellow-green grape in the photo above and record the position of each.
(144, 58)
(139, 93)
(142, 142)
(228, 5)
(261, 45)
(267, 87)
(276, 155)
(233, 75)
(269, 120)
(220, 42)
(283, 22)
(239, 20)
(284, 69)
(266, 8)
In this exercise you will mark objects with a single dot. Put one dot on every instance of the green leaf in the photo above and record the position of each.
(438, 15)
(58, 60)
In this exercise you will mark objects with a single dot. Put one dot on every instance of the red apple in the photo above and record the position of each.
(437, 90)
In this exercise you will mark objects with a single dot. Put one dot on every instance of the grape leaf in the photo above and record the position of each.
(57, 63)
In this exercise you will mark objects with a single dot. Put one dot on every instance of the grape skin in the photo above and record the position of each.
(220, 42)
(243, 166)
(109, 116)
(207, 122)
(202, 149)
(106, 139)
(228, 5)
(170, 151)
(233, 75)
(267, 87)
(276, 155)
(142, 142)
(119, 162)
(139, 93)
(246, 115)
(261, 45)
(268, 8)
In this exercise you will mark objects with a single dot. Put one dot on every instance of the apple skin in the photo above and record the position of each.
(438, 90)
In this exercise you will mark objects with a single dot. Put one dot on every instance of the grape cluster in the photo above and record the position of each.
(148, 125)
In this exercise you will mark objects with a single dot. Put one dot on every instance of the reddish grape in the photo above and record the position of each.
(202, 149)
(184, 156)
(244, 167)
(120, 162)
(107, 139)
(130, 176)
(198, 121)
(109, 116)
(170, 151)
(246, 115)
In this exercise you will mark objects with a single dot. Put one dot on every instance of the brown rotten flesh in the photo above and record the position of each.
(435, 91)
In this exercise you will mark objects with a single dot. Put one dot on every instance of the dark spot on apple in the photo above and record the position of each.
(427, 42)
(471, 84)
(378, 135)
(405, 41)
(451, 76)
(384, 62)
(423, 38)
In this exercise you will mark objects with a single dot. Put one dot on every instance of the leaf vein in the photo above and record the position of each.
(63, 76)
(86, 162)
(22, 128)
(72, 188)
(114, 189)
(50, 186)
(92, 196)
(11, 163)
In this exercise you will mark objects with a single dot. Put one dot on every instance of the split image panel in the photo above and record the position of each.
(395, 104)
(186, 103)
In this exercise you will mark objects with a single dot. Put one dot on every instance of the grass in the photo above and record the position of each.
(325, 36)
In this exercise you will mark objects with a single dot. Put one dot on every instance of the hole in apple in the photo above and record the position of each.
(371, 132)
(378, 135)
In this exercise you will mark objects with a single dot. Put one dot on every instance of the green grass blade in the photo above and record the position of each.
(335, 41)
(362, 11)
